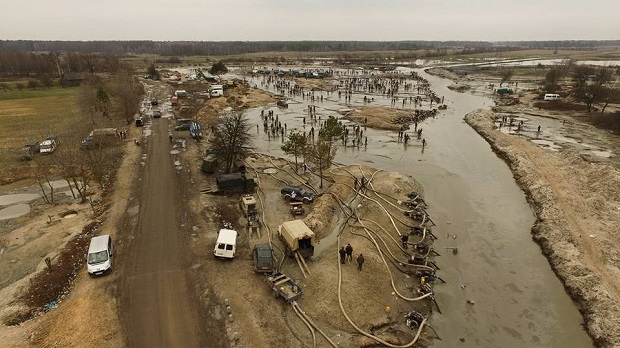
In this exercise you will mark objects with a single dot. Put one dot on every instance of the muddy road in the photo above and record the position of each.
(480, 210)
(157, 302)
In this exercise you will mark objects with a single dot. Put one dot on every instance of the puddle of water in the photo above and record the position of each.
(17, 198)
(604, 154)
(14, 211)
(547, 144)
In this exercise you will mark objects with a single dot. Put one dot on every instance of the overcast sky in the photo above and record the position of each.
(255, 20)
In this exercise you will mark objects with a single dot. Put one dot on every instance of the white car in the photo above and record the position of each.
(47, 147)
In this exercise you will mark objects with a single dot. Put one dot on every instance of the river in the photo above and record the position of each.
(480, 210)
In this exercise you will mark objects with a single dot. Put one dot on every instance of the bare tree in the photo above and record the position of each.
(552, 79)
(232, 139)
(590, 84)
(90, 62)
(93, 99)
(126, 94)
(505, 76)
(295, 145)
(321, 154)
(73, 62)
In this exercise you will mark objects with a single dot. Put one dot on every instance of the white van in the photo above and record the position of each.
(551, 96)
(226, 244)
(99, 259)
(216, 90)
(47, 147)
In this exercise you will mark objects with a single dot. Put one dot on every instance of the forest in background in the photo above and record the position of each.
(220, 48)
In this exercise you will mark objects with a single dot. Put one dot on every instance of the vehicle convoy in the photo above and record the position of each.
(100, 138)
(298, 238)
(100, 251)
(297, 194)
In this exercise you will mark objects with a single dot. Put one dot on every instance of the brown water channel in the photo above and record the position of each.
(479, 209)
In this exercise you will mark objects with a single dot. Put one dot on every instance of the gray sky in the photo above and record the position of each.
(254, 20)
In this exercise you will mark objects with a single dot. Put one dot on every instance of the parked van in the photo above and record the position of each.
(216, 90)
(99, 259)
(226, 244)
(551, 96)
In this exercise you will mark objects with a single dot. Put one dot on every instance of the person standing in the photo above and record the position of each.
(349, 250)
(360, 262)
(343, 255)
(404, 238)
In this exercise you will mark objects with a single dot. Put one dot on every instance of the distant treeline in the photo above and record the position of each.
(186, 48)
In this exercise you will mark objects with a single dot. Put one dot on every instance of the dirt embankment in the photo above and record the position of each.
(240, 97)
(460, 83)
(378, 117)
(577, 205)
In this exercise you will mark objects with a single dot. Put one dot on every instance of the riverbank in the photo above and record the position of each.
(577, 210)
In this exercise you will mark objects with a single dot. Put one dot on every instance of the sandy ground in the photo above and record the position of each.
(259, 319)
(90, 301)
(378, 117)
(577, 204)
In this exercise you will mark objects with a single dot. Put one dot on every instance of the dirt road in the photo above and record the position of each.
(157, 302)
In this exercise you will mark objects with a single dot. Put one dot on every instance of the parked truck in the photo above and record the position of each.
(228, 184)
(100, 138)
(297, 238)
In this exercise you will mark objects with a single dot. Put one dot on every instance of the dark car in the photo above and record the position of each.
(263, 258)
(298, 194)
(28, 151)
(139, 122)
(282, 104)
(154, 101)
(156, 114)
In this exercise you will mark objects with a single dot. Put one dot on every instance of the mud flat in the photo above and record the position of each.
(577, 206)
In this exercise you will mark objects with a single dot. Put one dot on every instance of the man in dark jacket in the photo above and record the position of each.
(360, 262)
(343, 254)
(349, 250)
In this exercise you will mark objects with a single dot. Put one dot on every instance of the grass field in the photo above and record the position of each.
(27, 116)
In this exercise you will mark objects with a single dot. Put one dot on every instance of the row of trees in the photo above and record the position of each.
(183, 48)
(588, 84)
(108, 101)
(232, 142)
(54, 64)
(320, 153)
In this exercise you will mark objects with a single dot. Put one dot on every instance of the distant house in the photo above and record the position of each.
(72, 79)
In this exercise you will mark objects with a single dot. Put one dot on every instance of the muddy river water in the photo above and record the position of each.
(480, 210)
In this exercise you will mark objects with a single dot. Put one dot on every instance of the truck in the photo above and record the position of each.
(174, 100)
(100, 138)
(227, 184)
(248, 206)
(181, 93)
(297, 238)
(209, 164)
